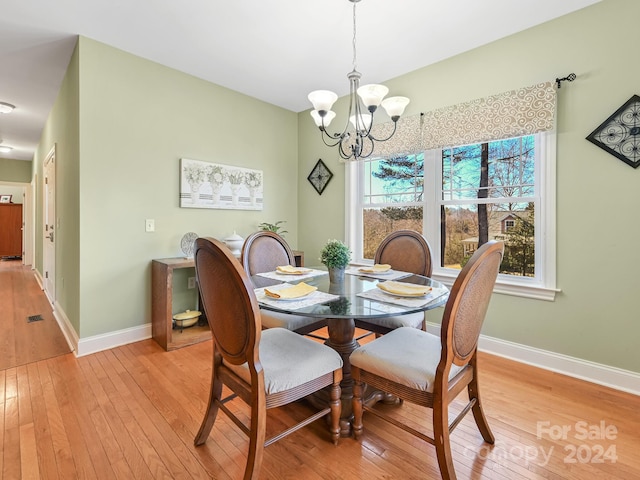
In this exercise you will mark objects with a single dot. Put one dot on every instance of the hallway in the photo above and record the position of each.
(23, 341)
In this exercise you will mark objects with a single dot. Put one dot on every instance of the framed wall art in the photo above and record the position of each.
(5, 198)
(619, 134)
(215, 185)
(320, 176)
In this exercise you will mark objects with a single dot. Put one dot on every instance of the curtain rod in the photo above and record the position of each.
(569, 78)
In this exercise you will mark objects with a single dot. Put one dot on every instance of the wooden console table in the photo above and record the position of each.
(162, 305)
(299, 256)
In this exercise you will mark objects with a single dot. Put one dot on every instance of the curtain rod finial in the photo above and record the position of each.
(570, 78)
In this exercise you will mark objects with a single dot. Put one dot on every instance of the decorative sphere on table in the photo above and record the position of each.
(188, 244)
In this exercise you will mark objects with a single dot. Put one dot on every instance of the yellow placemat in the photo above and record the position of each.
(297, 291)
(404, 289)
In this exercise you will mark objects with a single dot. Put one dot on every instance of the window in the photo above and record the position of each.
(508, 224)
(460, 196)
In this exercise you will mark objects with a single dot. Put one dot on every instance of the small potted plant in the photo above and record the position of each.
(335, 255)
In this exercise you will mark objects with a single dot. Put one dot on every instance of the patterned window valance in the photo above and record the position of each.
(524, 111)
(406, 140)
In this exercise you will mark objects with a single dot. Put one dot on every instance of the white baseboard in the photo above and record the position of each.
(65, 325)
(624, 380)
(98, 343)
(36, 274)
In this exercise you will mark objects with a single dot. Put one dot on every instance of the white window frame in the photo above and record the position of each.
(541, 287)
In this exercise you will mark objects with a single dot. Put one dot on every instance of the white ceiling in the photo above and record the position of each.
(276, 50)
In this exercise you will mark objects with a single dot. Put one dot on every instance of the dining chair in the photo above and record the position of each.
(431, 371)
(407, 251)
(265, 368)
(263, 251)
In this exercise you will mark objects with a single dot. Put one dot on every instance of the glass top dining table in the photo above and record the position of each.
(356, 298)
(348, 299)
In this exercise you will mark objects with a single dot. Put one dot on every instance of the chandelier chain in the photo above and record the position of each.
(354, 36)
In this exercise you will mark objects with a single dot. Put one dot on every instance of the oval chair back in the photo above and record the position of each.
(263, 251)
(406, 250)
(227, 295)
(468, 302)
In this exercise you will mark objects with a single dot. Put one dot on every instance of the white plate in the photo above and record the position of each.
(405, 296)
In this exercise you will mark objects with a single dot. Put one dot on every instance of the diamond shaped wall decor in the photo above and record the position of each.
(620, 133)
(320, 176)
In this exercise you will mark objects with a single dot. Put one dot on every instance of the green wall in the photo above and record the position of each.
(595, 316)
(16, 191)
(15, 170)
(137, 119)
(61, 132)
(120, 125)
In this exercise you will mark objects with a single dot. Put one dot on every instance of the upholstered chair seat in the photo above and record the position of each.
(431, 371)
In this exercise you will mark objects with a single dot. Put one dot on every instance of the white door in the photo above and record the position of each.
(49, 245)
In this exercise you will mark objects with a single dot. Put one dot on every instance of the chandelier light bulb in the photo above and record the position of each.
(394, 106)
(322, 100)
(320, 121)
(362, 122)
(372, 95)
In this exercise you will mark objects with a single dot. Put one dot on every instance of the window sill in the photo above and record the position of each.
(535, 292)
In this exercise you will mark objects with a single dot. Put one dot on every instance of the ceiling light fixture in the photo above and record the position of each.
(6, 107)
(355, 142)
(5, 149)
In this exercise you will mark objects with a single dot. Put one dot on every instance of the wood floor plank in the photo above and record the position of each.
(28, 453)
(170, 408)
(65, 465)
(161, 461)
(11, 446)
(100, 385)
(45, 455)
(70, 421)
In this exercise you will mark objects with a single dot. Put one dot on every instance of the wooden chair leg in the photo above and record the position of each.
(478, 412)
(357, 403)
(336, 410)
(256, 438)
(441, 440)
(211, 413)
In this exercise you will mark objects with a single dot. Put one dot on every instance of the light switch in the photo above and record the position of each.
(150, 225)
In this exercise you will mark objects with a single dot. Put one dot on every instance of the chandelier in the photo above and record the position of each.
(356, 140)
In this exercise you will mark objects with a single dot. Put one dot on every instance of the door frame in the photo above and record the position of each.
(28, 223)
(49, 210)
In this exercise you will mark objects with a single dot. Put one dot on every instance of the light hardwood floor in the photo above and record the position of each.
(132, 413)
(23, 342)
